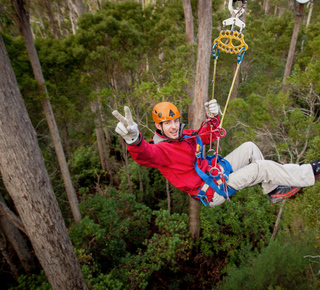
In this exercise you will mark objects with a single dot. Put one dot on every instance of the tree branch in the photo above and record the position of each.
(4, 210)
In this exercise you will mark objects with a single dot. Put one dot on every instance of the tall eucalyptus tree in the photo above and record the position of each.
(27, 181)
(21, 18)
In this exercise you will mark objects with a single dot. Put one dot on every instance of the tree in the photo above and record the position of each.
(200, 91)
(18, 243)
(27, 181)
(47, 4)
(103, 153)
(8, 259)
(21, 18)
(80, 8)
(293, 41)
(188, 20)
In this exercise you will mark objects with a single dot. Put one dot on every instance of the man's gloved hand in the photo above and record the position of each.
(212, 108)
(126, 127)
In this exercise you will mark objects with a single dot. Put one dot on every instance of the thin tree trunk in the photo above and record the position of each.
(266, 6)
(200, 92)
(24, 27)
(278, 219)
(103, 153)
(308, 20)
(125, 157)
(5, 211)
(310, 13)
(168, 195)
(72, 17)
(8, 259)
(190, 40)
(52, 23)
(188, 20)
(68, 146)
(105, 127)
(27, 181)
(293, 41)
(18, 243)
(140, 180)
(80, 7)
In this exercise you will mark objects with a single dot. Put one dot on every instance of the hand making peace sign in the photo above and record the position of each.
(127, 128)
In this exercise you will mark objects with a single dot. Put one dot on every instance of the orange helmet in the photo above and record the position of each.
(164, 111)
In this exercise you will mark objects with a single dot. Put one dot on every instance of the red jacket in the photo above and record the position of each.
(175, 158)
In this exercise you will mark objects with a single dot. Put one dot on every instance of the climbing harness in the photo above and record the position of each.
(213, 177)
(229, 41)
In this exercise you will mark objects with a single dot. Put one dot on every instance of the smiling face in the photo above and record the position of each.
(169, 128)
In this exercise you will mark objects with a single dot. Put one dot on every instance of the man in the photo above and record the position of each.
(174, 150)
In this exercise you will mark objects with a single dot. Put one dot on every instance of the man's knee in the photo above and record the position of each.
(250, 145)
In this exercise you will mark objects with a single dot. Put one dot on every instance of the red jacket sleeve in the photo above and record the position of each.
(149, 155)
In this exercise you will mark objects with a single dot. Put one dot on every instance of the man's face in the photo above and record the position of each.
(170, 128)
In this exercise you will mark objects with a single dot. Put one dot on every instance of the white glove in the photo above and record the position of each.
(212, 108)
(126, 127)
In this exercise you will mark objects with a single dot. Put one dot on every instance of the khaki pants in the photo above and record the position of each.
(250, 168)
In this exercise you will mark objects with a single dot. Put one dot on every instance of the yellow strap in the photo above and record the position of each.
(230, 92)
(228, 41)
(214, 77)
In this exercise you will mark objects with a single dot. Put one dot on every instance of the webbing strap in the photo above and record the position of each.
(209, 179)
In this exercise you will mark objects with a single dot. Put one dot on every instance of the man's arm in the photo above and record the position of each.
(143, 153)
(213, 121)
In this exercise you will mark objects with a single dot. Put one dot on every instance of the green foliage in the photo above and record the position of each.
(233, 229)
(166, 249)
(111, 224)
(282, 265)
(85, 166)
(303, 212)
(33, 282)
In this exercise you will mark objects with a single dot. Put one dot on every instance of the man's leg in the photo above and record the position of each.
(245, 154)
(271, 174)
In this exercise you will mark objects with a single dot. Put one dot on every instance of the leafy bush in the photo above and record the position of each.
(33, 282)
(111, 225)
(85, 166)
(166, 249)
(235, 227)
(283, 263)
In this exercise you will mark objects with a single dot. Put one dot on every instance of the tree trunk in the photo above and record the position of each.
(5, 211)
(68, 146)
(52, 23)
(27, 181)
(24, 27)
(190, 40)
(80, 7)
(98, 3)
(200, 92)
(278, 219)
(168, 195)
(266, 6)
(103, 153)
(140, 180)
(293, 41)
(18, 243)
(188, 20)
(125, 157)
(72, 17)
(309, 13)
(8, 259)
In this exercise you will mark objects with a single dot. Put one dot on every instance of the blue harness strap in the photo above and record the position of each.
(211, 180)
